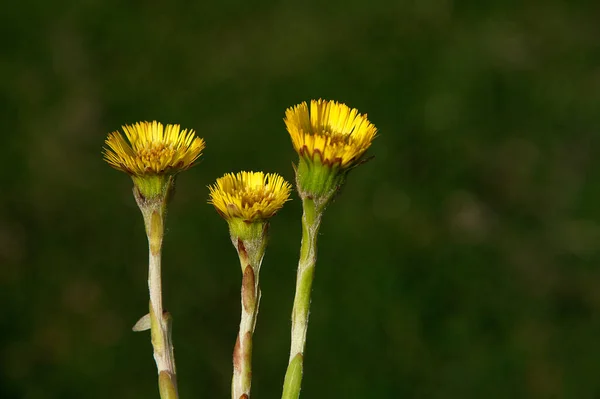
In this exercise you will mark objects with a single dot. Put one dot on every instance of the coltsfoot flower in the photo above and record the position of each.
(250, 196)
(330, 138)
(247, 200)
(152, 154)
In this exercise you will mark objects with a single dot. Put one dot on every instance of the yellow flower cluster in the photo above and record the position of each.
(336, 132)
(151, 148)
(251, 196)
(330, 138)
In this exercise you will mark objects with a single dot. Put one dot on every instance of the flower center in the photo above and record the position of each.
(255, 195)
(156, 151)
(336, 138)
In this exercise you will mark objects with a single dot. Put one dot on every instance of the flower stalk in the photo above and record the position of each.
(250, 251)
(311, 221)
(153, 211)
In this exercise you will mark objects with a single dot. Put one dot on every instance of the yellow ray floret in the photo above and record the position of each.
(151, 148)
(250, 196)
(335, 131)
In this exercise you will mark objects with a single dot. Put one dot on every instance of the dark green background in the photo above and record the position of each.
(462, 262)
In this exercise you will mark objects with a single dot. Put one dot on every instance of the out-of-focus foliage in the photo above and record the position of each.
(462, 262)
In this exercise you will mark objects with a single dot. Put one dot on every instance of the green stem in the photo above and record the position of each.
(251, 249)
(311, 220)
(153, 211)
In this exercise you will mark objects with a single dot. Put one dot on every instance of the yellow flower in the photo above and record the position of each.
(251, 196)
(151, 149)
(338, 133)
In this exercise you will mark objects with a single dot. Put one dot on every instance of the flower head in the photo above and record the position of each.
(331, 138)
(334, 131)
(250, 196)
(153, 155)
(151, 149)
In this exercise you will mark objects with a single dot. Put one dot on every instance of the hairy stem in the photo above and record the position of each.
(311, 220)
(250, 252)
(153, 211)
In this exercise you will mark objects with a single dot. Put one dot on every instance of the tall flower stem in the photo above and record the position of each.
(153, 155)
(331, 139)
(247, 200)
(311, 221)
(251, 249)
(153, 211)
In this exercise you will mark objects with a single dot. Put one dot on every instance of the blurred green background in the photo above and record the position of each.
(462, 262)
